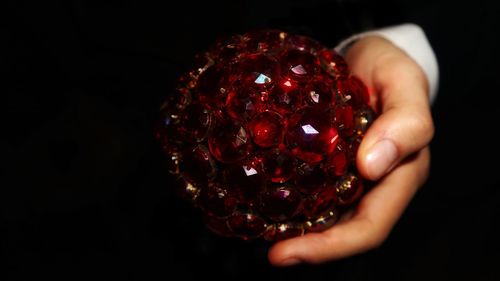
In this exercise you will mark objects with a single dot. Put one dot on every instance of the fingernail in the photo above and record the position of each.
(289, 262)
(381, 158)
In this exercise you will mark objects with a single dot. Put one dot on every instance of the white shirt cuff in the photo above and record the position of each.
(411, 39)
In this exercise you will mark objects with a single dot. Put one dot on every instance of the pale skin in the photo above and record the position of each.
(403, 131)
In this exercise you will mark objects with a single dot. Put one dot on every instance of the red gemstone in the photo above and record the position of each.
(185, 189)
(201, 62)
(211, 85)
(227, 50)
(281, 203)
(315, 205)
(267, 129)
(304, 43)
(338, 162)
(229, 142)
(247, 225)
(323, 221)
(195, 123)
(348, 189)
(177, 101)
(246, 181)
(311, 135)
(198, 165)
(285, 97)
(333, 63)
(264, 40)
(216, 201)
(242, 103)
(310, 178)
(258, 71)
(319, 93)
(282, 231)
(344, 119)
(363, 119)
(299, 65)
(353, 91)
(279, 165)
(173, 159)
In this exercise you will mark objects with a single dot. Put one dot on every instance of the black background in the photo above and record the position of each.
(84, 192)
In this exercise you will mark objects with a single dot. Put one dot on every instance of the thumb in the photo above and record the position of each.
(404, 125)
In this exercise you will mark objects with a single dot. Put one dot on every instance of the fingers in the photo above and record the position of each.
(404, 125)
(368, 228)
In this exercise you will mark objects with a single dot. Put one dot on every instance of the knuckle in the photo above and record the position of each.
(423, 126)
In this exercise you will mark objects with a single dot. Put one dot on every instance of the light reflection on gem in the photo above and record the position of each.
(241, 137)
(299, 70)
(262, 79)
(249, 171)
(308, 129)
(314, 96)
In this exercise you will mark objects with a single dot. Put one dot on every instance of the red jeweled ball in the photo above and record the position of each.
(262, 133)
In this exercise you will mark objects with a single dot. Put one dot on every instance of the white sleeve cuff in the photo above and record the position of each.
(411, 39)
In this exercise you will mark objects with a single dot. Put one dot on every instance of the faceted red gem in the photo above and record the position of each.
(201, 62)
(348, 189)
(242, 103)
(310, 178)
(285, 97)
(299, 65)
(211, 85)
(324, 221)
(229, 142)
(319, 92)
(267, 129)
(178, 100)
(363, 119)
(311, 135)
(197, 164)
(186, 190)
(173, 159)
(304, 43)
(247, 225)
(195, 123)
(228, 49)
(333, 63)
(338, 162)
(344, 119)
(246, 181)
(317, 204)
(264, 40)
(282, 231)
(279, 165)
(281, 203)
(353, 90)
(258, 71)
(216, 201)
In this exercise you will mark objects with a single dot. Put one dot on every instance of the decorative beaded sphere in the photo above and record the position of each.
(262, 134)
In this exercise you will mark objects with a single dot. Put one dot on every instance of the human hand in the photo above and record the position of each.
(393, 152)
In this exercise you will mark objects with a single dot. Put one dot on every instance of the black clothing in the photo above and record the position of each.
(84, 192)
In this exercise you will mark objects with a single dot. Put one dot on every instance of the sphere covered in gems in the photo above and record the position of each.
(261, 135)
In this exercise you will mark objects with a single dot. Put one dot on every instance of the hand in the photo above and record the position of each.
(394, 151)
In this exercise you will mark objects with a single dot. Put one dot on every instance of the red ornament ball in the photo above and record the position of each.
(261, 135)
